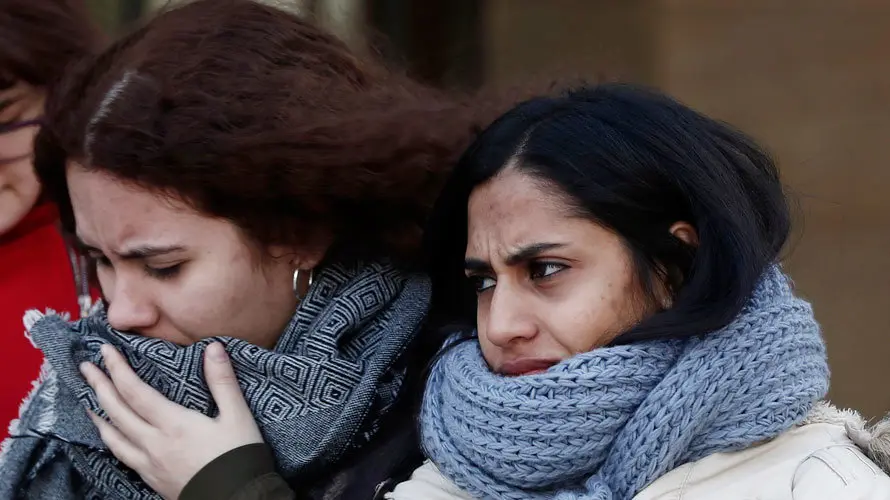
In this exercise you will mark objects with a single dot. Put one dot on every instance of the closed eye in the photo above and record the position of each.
(163, 273)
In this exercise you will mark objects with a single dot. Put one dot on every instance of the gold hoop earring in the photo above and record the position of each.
(299, 277)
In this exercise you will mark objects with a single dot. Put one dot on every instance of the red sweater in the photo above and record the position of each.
(35, 272)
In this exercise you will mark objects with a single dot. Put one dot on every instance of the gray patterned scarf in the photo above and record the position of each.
(336, 370)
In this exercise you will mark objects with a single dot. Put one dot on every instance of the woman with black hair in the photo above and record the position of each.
(633, 333)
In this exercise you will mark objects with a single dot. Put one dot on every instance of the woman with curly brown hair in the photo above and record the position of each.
(37, 268)
(250, 190)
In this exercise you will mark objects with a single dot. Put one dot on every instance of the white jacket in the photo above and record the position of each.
(831, 456)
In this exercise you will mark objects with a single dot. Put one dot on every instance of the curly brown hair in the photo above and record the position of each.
(251, 114)
(38, 39)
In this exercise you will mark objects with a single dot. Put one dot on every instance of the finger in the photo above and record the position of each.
(124, 418)
(143, 399)
(121, 447)
(222, 382)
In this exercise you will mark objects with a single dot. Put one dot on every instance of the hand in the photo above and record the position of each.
(167, 444)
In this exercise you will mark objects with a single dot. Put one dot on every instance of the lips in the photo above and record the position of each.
(522, 367)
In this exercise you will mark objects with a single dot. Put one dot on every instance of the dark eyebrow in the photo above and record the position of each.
(143, 252)
(476, 266)
(524, 254)
(529, 252)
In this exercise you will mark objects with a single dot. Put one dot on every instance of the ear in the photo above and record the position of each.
(308, 254)
(685, 233)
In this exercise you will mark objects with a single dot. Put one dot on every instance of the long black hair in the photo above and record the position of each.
(636, 162)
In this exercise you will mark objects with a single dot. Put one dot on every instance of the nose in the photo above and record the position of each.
(128, 309)
(510, 317)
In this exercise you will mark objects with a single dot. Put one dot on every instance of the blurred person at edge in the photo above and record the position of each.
(38, 39)
(241, 180)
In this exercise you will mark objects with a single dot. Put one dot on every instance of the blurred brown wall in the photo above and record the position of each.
(809, 79)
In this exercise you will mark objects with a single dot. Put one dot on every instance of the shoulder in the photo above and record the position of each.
(821, 459)
(854, 466)
(428, 483)
(841, 471)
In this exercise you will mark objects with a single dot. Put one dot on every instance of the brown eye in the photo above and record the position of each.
(540, 270)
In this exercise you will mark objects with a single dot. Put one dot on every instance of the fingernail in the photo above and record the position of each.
(216, 352)
(84, 370)
(104, 350)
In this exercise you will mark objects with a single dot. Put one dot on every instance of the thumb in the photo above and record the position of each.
(222, 382)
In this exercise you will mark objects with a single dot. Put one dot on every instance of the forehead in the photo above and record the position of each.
(117, 212)
(518, 209)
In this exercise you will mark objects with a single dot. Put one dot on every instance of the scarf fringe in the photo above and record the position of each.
(47, 417)
(33, 316)
(45, 379)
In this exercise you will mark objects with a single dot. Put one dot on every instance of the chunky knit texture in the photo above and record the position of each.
(336, 371)
(604, 424)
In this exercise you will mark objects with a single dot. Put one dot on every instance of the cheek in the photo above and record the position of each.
(235, 301)
(593, 317)
(267, 303)
(19, 185)
(491, 352)
(210, 302)
(105, 276)
(20, 175)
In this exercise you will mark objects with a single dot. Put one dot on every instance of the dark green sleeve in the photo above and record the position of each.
(245, 473)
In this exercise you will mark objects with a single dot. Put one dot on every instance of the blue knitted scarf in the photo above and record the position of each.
(605, 424)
